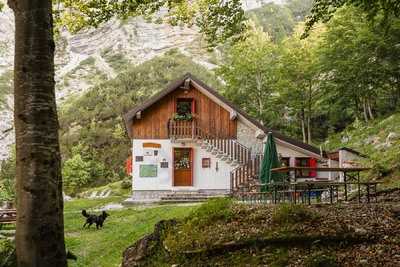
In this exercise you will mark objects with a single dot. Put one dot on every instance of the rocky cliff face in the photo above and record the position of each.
(95, 55)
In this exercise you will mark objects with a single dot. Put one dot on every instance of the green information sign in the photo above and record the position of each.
(148, 170)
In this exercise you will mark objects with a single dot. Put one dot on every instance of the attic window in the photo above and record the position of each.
(184, 106)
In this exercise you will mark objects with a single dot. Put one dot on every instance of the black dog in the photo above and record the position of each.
(97, 219)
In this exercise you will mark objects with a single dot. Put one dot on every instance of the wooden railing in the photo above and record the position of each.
(241, 176)
(194, 130)
(182, 129)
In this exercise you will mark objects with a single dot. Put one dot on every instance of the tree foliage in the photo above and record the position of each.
(219, 20)
(361, 64)
(323, 10)
(7, 178)
(277, 20)
(250, 73)
(300, 81)
(347, 69)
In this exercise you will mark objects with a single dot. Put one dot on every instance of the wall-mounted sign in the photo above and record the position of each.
(205, 162)
(138, 158)
(151, 145)
(148, 170)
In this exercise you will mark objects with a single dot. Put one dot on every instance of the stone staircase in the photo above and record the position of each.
(188, 196)
(226, 149)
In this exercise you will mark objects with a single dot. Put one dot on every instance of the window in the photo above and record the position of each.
(205, 162)
(306, 162)
(184, 106)
(285, 162)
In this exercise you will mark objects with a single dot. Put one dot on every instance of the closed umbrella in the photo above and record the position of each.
(270, 161)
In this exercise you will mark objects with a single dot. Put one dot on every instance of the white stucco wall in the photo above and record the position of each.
(203, 178)
(333, 164)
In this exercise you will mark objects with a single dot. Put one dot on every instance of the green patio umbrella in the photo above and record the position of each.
(269, 162)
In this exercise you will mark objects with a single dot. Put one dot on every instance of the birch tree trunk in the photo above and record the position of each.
(259, 93)
(365, 110)
(40, 226)
(371, 114)
(303, 126)
(309, 112)
(308, 130)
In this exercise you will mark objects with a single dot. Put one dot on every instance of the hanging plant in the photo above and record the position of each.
(183, 117)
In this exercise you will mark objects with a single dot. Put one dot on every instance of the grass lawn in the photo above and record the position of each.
(103, 248)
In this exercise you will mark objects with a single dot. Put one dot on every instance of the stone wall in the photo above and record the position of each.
(247, 136)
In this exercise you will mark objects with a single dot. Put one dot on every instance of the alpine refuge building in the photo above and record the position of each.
(188, 139)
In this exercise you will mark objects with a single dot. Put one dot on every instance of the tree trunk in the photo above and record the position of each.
(371, 114)
(259, 94)
(40, 226)
(303, 126)
(357, 109)
(309, 130)
(309, 113)
(365, 110)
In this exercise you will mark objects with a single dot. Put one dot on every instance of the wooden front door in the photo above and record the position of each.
(183, 166)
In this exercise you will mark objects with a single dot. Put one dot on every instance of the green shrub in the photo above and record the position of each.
(320, 259)
(7, 178)
(126, 183)
(291, 214)
(81, 170)
(7, 253)
(191, 231)
(280, 258)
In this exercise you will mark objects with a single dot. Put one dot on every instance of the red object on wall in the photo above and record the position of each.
(128, 165)
(313, 164)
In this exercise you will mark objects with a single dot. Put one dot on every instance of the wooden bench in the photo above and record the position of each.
(8, 216)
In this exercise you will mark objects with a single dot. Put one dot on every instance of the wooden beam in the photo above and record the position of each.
(232, 115)
(186, 85)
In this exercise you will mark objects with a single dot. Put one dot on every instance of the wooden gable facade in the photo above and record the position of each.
(153, 121)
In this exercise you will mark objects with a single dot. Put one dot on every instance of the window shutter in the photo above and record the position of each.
(128, 165)
(313, 164)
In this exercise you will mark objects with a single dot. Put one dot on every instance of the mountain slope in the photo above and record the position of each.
(93, 137)
(379, 141)
(93, 56)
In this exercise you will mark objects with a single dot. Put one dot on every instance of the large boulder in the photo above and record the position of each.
(146, 246)
(392, 136)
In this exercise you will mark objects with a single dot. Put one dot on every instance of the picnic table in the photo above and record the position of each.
(351, 175)
(8, 216)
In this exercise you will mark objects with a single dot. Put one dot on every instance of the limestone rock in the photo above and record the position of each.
(392, 136)
(135, 254)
